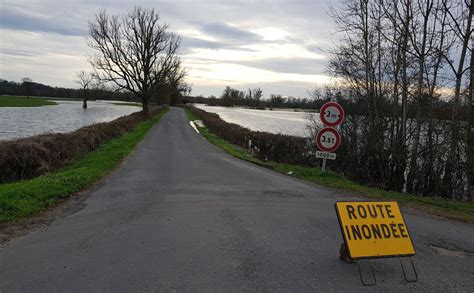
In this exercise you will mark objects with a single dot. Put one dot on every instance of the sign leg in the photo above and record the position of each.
(344, 253)
(366, 273)
(323, 167)
(408, 268)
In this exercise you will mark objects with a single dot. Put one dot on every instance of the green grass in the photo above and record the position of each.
(24, 198)
(14, 101)
(191, 115)
(457, 210)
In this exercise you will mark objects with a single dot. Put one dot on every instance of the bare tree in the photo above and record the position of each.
(84, 80)
(186, 88)
(26, 83)
(135, 51)
(470, 127)
(462, 26)
(421, 49)
(171, 87)
(257, 95)
(395, 32)
(253, 97)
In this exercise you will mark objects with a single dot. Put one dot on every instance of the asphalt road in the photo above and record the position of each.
(181, 215)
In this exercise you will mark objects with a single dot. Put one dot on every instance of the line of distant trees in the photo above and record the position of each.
(27, 87)
(254, 98)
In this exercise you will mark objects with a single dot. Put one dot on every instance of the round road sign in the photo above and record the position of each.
(331, 114)
(328, 139)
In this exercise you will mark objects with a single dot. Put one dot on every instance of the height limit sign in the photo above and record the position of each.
(331, 114)
(328, 139)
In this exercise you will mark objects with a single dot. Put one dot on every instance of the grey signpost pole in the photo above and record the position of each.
(323, 167)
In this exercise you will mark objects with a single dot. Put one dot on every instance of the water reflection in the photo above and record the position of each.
(16, 122)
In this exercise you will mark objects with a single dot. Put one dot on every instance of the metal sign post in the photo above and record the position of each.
(328, 139)
(323, 167)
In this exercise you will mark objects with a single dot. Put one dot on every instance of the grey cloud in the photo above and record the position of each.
(17, 53)
(190, 43)
(290, 65)
(322, 47)
(16, 20)
(227, 32)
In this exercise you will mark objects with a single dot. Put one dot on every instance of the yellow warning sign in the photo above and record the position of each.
(374, 229)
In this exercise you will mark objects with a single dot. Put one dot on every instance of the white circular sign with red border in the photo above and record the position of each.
(331, 114)
(328, 139)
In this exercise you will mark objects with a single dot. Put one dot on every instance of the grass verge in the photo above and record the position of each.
(191, 115)
(15, 101)
(24, 198)
(456, 210)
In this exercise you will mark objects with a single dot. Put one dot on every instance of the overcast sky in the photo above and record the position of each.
(276, 45)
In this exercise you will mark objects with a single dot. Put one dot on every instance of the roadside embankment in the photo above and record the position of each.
(87, 155)
(265, 146)
(233, 139)
(33, 156)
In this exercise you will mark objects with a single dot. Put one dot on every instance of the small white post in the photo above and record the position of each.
(323, 167)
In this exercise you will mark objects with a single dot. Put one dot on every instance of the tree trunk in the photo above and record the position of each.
(145, 107)
(470, 130)
(413, 172)
(430, 181)
(403, 137)
(395, 175)
(84, 103)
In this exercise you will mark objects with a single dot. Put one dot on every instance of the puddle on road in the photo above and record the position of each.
(450, 252)
(282, 193)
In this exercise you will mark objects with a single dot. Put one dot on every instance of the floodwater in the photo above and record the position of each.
(67, 116)
(286, 122)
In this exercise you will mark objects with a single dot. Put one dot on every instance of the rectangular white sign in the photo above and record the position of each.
(324, 155)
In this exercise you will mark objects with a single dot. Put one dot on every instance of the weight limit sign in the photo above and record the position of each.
(328, 139)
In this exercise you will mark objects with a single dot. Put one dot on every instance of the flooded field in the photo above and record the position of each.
(17, 122)
(286, 122)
